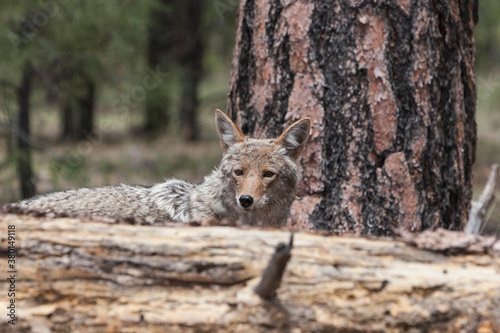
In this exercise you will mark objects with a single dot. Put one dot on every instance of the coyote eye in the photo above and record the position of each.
(268, 174)
(238, 172)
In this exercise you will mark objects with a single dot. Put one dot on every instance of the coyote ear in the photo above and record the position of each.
(229, 134)
(294, 138)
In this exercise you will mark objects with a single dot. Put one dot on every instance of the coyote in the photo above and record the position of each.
(256, 181)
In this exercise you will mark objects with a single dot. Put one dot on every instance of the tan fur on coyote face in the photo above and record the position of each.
(262, 174)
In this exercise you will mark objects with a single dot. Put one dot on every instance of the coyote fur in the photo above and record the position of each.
(256, 177)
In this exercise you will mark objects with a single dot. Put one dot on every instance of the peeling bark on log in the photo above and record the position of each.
(96, 277)
(390, 90)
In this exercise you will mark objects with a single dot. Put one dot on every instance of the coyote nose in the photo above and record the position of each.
(246, 201)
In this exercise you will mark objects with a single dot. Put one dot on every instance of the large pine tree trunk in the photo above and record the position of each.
(390, 89)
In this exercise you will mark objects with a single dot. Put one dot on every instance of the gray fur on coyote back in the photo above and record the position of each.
(256, 177)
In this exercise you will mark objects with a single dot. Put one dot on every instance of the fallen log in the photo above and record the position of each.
(73, 275)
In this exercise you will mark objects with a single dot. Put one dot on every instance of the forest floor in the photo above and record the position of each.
(117, 155)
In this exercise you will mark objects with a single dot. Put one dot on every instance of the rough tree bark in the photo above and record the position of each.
(390, 88)
(82, 276)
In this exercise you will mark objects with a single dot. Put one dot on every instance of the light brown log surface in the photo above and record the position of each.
(96, 277)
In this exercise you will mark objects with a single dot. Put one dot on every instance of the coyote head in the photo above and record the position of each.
(261, 173)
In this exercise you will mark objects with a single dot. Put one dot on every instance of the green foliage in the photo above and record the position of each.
(97, 36)
(104, 40)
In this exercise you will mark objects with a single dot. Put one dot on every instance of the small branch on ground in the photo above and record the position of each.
(477, 215)
(271, 278)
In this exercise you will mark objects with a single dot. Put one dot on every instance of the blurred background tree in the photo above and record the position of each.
(487, 36)
(124, 91)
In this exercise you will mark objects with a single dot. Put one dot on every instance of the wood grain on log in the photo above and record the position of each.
(95, 277)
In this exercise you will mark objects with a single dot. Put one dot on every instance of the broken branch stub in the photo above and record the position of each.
(479, 208)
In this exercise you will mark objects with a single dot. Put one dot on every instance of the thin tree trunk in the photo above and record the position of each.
(78, 107)
(160, 43)
(86, 101)
(191, 62)
(81, 276)
(21, 135)
(390, 89)
(68, 122)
